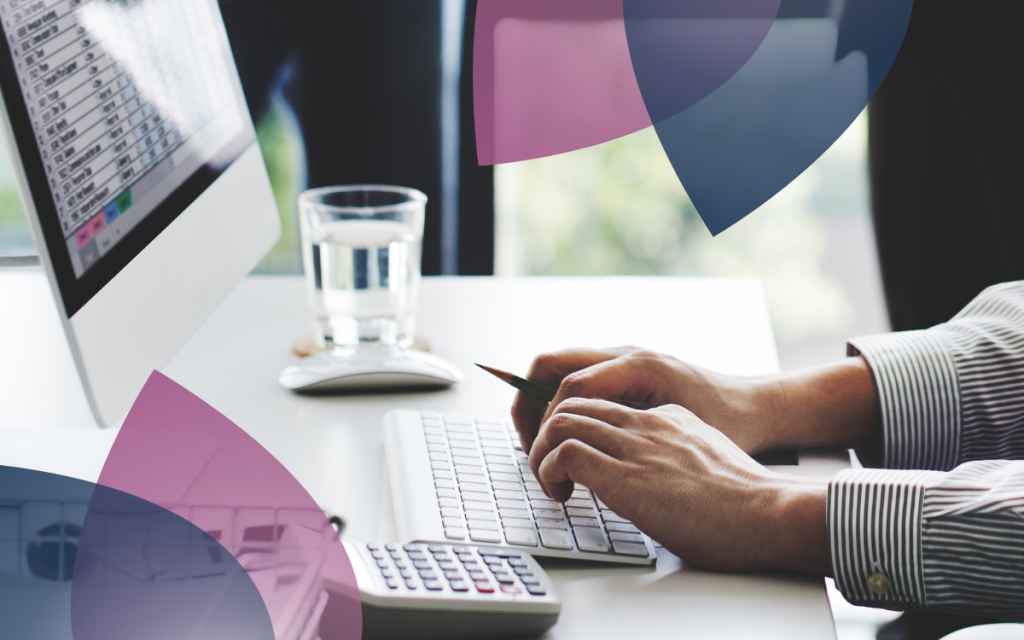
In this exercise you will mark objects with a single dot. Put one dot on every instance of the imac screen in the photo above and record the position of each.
(124, 112)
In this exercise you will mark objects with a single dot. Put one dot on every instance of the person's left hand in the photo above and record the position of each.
(685, 484)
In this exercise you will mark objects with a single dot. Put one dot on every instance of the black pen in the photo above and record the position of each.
(538, 390)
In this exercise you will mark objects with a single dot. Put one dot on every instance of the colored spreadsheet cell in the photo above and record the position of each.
(111, 212)
(97, 224)
(83, 235)
(124, 201)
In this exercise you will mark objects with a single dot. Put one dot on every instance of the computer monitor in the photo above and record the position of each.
(139, 170)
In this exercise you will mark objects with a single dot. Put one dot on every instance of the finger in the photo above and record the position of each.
(596, 432)
(549, 369)
(575, 461)
(619, 379)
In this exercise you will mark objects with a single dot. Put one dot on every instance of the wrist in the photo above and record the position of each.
(796, 536)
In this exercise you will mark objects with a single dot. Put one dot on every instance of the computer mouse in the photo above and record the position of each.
(370, 368)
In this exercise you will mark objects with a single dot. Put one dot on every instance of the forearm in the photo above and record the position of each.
(833, 405)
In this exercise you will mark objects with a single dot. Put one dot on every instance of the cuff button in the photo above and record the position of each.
(879, 583)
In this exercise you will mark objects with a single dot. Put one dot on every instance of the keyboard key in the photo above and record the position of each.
(492, 558)
(536, 590)
(452, 575)
(465, 556)
(521, 571)
(451, 512)
(475, 514)
(511, 504)
(416, 554)
(477, 575)
(630, 548)
(461, 549)
(621, 526)
(444, 483)
(377, 555)
(505, 477)
(590, 539)
(401, 564)
(433, 431)
(551, 514)
(555, 539)
(585, 522)
(484, 587)
(522, 514)
(516, 523)
(516, 562)
(447, 493)
(537, 495)
(473, 486)
(447, 565)
(427, 574)
(504, 450)
(411, 585)
(436, 440)
(455, 534)
(582, 494)
(482, 535)
(492, 459)
(392, 583)
(459, 585)
(529, 578)
(454, 418)
(489, 525)
(503, 494)
(581, 504)
(472, 565)
(524, 537)
(391, 546)
(506, 486)
(476, 495)
(421, 564)
(511, 589)
(622, 536)
(545, 523)
(448, 502)
(504, 577)
(583, 513)
(501, 468)
(433, 585)
(476, 505)
(405, 573)
(470, 469)
(383, 564)
(387, 573)
(473, 477)
(538, 503)
(611, 516)
(444, 473)
(439, 465)
(437, 448)
(464, 459)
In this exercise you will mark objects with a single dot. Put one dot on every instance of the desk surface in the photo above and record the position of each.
(333, 445)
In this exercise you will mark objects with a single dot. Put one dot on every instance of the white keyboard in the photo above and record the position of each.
(459, 479)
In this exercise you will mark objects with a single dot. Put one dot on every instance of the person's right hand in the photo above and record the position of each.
(732, 404)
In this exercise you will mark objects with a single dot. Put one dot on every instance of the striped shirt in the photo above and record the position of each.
(941, 528)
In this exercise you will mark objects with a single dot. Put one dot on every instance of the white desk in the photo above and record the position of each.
(333, 445)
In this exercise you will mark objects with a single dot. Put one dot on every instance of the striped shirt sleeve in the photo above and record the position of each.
(943, 528)
(930, 540)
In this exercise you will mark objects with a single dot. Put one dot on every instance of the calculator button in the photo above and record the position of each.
(491, 559)
(421, 564)
(529, 578)
(413, 546)
(536, 590)
(392, 583)
(459, 585)
(447, 565)
(372, 546)
(556, 539)
(484, 587)
(377, 554)
(417, 555)
(452, 575)
(516, 562)
(590, 539)
(455, 534)
(391, 546)
(410, 585)
(477, 575)
(460, 548)
(511, 589)
(437, 548)
(504, 578)
(522, 571)
(630, 548)
(432, 585)
(472, 566)
(480, 535)
(405, 573)
(387, 573)
(427, 574)
(467, 557)
(524, 537)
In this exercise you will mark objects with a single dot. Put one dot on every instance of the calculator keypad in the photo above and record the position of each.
(459, 568)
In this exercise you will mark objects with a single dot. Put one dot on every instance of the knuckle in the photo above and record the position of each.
(573, 383)
(544, 361)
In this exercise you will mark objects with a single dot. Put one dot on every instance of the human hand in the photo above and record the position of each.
(827, 406)
(685, 484)
(732, 404)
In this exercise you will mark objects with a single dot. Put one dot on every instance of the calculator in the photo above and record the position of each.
(451, 591)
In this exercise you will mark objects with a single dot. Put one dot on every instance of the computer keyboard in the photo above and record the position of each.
(455, 478)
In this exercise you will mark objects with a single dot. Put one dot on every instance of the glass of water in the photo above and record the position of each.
(361, 248)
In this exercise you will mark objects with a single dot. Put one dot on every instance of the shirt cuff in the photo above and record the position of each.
(916, 379)
(874, 531)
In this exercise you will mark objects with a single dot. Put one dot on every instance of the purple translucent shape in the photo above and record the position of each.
(551, 76)
(177, 452)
